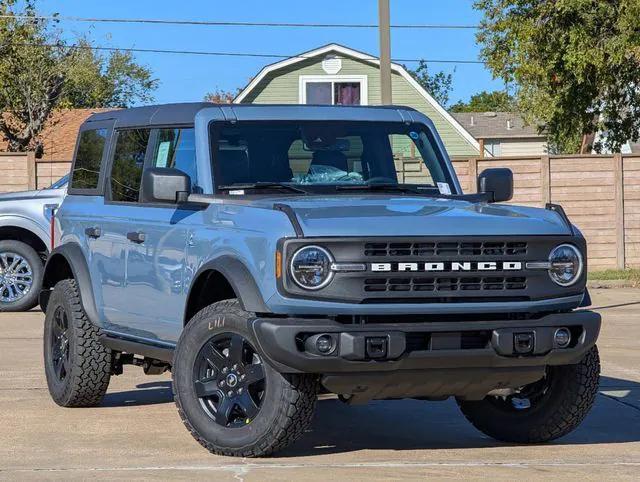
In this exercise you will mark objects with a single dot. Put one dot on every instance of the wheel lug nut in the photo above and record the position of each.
(230, 393)
(222, 383)
(242, 377)
(225, 370)
(235, 367)
(239, 391)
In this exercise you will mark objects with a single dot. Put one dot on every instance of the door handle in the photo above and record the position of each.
(136, 237)
(94, 232)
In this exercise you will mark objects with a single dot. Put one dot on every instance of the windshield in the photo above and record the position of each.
(327, 154)
(60, 183)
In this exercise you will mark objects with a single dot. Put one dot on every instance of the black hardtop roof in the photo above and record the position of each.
(184, 113)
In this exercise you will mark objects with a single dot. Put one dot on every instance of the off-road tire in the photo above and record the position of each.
(572, 392)
(35, 262)
(287, 406)
(90, 361)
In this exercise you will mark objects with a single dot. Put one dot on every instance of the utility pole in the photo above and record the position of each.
(385, 51)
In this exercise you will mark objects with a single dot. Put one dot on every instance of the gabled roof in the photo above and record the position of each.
(349, 52)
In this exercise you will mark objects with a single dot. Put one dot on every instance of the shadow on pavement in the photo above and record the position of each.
(152, 393)
(415, 424)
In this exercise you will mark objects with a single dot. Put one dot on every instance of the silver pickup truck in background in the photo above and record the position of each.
(25, 242)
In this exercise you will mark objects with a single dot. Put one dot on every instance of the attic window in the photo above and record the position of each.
(333, 90)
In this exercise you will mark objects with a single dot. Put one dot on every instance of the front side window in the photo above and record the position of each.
(128, 162)
(320, 154)
(176, 149)
(86, 169)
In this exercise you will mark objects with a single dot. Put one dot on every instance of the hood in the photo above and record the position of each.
(23, 195)
(390, 215)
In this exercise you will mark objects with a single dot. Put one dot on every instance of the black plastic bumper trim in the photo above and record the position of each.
(277, 341)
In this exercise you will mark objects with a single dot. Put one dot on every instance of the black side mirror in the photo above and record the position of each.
(497, 183)
(165, 185)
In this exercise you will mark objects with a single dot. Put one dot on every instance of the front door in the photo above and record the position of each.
(156, 244)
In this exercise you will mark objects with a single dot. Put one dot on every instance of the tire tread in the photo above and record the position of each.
(296, 408)
(579, 393)
(91, 361)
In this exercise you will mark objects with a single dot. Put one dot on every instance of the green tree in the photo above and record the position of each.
(576, 64)
(439, 85)
(38, 74)
(496, 101)
(95, 80)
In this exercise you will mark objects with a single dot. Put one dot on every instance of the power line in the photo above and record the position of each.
(235, 24)
(225, 54)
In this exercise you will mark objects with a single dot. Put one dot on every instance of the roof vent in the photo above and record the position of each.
(471, 122)
(332, 64)
(509, 125)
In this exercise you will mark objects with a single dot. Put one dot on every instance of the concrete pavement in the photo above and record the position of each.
(136, 434)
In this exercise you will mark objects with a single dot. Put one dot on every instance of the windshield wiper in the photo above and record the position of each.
(379, 187)
(263, 185)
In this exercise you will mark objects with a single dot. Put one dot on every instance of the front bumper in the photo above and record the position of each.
(428, 359)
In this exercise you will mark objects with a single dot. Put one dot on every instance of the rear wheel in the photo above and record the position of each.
(229, 398)
(77, 365)
(542, 411)
(20, 276)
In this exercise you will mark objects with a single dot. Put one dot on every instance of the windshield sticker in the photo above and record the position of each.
(236, 192)
(163, 154)
(414, 135)
(444, 188)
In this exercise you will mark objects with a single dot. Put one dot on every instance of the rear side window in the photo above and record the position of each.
(128, 162)
(176, 149)
(86, 170)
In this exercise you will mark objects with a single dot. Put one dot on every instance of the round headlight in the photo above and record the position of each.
(311, 267)
(565, 264)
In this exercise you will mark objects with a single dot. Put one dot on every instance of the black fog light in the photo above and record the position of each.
(324, 344)
(562, 337)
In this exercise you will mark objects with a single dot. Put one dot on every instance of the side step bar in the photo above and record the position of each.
(157, 350)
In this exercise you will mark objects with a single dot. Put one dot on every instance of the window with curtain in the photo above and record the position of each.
(333, 93)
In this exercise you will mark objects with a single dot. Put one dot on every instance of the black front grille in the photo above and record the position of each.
(444, 249)
(470, 283)
(436, 269)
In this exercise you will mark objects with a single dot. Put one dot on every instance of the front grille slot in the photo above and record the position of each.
(446, 249)
(417, 284)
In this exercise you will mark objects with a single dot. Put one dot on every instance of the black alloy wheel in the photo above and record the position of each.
(229, 380)
(60, 343)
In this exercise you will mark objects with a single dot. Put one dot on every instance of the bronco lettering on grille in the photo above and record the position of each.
(448, 266)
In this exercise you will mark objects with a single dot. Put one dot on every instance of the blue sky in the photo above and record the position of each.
(188, 78)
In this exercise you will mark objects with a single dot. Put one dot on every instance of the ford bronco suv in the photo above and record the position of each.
(266, 254)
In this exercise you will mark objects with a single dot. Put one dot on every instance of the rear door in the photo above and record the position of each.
(80, 215)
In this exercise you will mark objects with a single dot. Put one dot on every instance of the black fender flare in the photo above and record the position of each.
(71, 255)
(240, 279)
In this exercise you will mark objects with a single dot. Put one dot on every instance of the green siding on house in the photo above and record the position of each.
(282, 85)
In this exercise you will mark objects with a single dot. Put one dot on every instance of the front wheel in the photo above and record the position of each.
(542, 411)
(229, 398)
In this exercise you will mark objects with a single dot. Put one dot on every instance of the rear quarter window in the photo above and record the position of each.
(86, 169)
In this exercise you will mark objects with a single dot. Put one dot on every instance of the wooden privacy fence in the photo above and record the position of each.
(21, 171)
(601, 194)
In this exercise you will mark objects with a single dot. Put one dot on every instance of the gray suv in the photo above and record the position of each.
(25, 241)
(265, 254)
